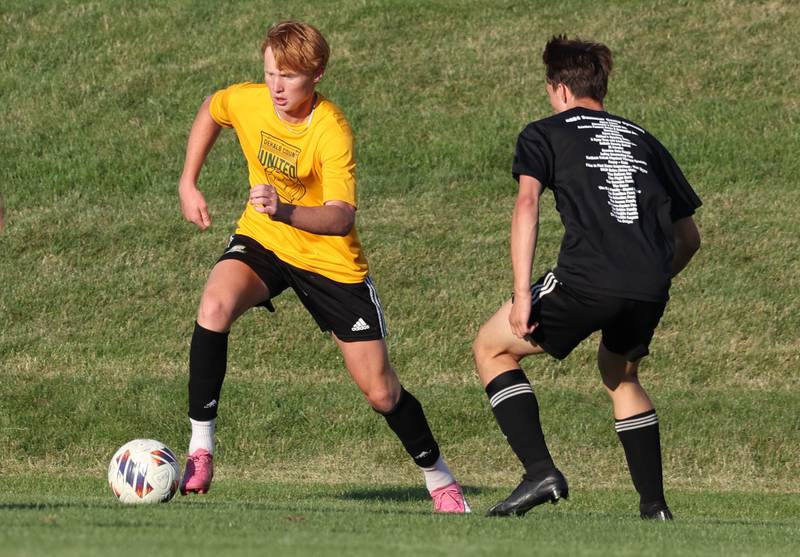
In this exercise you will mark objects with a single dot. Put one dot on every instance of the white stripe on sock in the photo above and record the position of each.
(636, 423)
(508, 392)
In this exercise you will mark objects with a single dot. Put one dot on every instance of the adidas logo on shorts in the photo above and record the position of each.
(359, 325)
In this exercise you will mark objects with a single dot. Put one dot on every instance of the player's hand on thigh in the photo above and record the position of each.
(496, 345)
(519, 316)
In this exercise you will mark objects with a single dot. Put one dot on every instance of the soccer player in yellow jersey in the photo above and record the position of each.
(297, 231)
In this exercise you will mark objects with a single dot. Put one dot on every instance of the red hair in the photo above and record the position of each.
(299, 47)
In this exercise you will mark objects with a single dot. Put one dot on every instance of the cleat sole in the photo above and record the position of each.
(198, 490)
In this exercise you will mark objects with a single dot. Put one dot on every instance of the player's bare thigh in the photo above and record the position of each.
(232, 288)
(496, 349)
(367, 361)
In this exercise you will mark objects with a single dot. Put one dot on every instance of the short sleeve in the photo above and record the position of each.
(338, 165)
(533, 156)
(684, 199)
(219, 107)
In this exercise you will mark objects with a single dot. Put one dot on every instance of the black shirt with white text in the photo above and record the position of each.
(618, 191)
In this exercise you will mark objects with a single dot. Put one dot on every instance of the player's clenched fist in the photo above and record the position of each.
(264, 199)
(194, 206)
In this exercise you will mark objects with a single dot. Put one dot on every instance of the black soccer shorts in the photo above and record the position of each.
(566, 316)
(352, 312)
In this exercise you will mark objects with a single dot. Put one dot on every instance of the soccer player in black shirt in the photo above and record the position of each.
(627, 213)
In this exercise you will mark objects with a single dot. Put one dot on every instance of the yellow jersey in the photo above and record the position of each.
(308, 164)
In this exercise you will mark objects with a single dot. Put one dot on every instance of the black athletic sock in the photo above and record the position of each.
(517, 412)
(408, 422)
(208, 356)
(642, 443)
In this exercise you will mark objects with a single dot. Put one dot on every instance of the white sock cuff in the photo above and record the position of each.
(438, 475)
(202, 435)
(646, 420)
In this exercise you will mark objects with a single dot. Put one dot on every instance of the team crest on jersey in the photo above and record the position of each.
(279, 160)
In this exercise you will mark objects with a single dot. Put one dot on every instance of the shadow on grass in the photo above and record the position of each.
(397, 494)
(297, 511)
(49, 506)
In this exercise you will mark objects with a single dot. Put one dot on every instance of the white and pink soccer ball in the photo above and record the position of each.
(144, 471)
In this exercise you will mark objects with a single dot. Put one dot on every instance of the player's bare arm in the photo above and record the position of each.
(687, 242)
(524, 228)
(202, 136)
(335, 218)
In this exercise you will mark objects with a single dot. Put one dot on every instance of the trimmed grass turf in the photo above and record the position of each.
(80, 517)
(100, 278)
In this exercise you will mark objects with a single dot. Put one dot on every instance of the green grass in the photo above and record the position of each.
(253, 518)
(100, 277)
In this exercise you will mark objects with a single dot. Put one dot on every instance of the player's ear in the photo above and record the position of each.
(563, 92)
(318, 76)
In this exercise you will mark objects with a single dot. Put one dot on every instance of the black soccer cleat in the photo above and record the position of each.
(657, 511)
(529, 493)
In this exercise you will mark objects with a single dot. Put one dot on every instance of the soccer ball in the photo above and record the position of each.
(144, 471)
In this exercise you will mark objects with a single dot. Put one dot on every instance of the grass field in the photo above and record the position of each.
(100, 279)
(254, 518)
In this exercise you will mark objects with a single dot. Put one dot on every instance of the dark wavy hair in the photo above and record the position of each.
(582, 66)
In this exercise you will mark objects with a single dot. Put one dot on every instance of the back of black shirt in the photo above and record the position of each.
(618, 191)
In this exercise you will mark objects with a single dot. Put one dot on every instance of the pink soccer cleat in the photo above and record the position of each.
(450, 499)
(198, 472)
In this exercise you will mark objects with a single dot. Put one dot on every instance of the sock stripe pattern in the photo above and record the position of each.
(636, 423)
(516, 410)
(641, 441)
(511, 379)
(508, 392)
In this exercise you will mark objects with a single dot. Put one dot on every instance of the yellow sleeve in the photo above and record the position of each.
(338, 164)
(219, 106)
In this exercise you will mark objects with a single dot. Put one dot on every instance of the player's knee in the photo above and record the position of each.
(214, 314)
(619, 377)
(382, 400)
(482, 347)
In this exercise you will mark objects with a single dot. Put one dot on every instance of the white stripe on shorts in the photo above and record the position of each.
(636, 423)
(540, 290)
(508, 392)
(376, 301)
